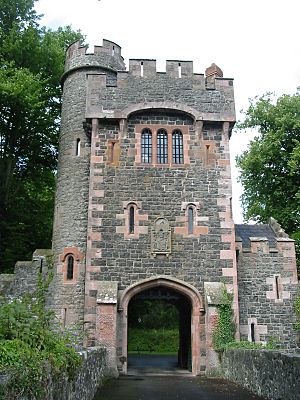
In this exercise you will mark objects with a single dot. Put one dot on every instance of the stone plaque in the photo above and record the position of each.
(161, 237)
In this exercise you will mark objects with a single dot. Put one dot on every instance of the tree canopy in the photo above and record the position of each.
(270, 168)
(32, 62)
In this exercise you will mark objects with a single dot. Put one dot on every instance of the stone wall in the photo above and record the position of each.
(267, 281)
(7, 283)
(271, 374)
(25, 277)
(94, 370)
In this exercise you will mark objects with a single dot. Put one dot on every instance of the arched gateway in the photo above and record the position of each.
(185, 289)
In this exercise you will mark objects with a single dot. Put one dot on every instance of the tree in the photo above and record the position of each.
(32, 61)
(270, 168)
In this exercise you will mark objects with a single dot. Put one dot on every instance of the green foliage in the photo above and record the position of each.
(32, 62)
(272, 344)
(270, 167)
(153, 340)
(31, 349)
(153, 314)
(224, 330)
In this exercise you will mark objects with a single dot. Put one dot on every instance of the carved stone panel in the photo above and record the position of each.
(161, 237)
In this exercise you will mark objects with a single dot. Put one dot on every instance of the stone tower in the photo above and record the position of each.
(143, 201)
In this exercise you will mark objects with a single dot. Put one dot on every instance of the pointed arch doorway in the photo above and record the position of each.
(191, 320)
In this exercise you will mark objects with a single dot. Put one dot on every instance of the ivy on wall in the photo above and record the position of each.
(224, 332)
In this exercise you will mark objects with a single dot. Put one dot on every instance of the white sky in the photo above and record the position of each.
(255, 42)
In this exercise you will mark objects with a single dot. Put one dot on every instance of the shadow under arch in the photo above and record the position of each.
(197, 309)
(163, 105)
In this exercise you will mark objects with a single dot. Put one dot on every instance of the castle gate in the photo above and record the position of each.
(191, 310)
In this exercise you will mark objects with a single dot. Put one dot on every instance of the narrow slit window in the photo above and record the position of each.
(111, 151)
(131, 219)
(277, 287)
(41, 266)
(70, 268)
(177, 147)
(142, 69)
(179, 70)
(162, 147)
(207, 152)
(113, 50)
(64, 317)
(146, 142)
(190, 220)
(237, 254)
(252, 332)
(112, 156)
(78, 147)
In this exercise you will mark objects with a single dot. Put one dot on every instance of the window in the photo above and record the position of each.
(190, 220)
(252, 332)
(77, 151)
(131, 219)
(162, 147)
(179, 70)
(146, 142)
(70, 267)
(177, 147)
(277, 287)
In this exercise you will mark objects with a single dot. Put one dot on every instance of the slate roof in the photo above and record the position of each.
(244, 231)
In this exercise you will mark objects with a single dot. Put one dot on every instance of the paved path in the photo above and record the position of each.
(171, 388)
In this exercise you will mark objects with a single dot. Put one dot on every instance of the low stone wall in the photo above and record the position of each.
(268, 373)
(93, 372)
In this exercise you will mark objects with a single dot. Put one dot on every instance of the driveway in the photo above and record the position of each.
(186, 387)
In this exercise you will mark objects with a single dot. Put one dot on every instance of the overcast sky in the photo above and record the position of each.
(255, 42)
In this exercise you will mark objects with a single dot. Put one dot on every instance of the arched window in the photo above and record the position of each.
(190, 220)
(70, 267)
(146, 146)
(131, 219)
(177, 147)
(162, 147)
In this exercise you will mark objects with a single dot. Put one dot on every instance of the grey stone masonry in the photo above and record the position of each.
(271, 374)
(123, 210)
(267, 280)
(92, 373)
(143, 199)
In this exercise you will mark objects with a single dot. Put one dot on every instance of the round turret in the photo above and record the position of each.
(108, 56)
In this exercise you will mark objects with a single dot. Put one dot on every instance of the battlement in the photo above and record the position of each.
(263, 238)
(108, 47)
(107, 56)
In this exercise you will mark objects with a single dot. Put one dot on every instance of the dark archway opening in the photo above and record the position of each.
(159, 330)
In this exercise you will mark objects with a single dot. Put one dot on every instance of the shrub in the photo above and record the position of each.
(153, 340)
(31, 348)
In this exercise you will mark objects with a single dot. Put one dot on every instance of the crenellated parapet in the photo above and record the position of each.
(264, 239)
(107, 56)
(112, 91)
(106, 69)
